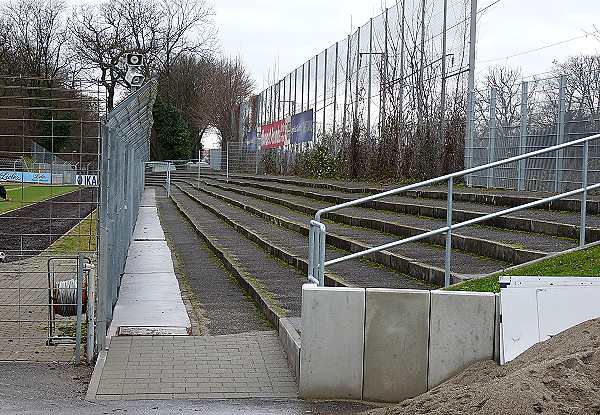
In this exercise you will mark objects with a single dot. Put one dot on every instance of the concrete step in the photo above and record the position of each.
(274, 287)
(291, 246)
(220, 305)
(502, 245)
(419, 260)
(554, 223)
(493, 197)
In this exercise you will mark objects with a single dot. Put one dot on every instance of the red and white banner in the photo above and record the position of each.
(273, 135)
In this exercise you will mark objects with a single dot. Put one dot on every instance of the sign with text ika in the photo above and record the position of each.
(87, 180)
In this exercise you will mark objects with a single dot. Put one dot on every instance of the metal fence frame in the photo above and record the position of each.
(125, 141)
(537, 116)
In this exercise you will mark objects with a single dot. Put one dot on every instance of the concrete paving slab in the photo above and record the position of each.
(148, 197)
(149, 294)
(149, 257)
(147, 226)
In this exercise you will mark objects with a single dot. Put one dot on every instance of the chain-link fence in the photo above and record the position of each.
(125, 149)
(518, 118)
(388, 99)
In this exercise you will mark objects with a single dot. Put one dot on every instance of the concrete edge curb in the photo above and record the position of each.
(290, 339)
(96, 375)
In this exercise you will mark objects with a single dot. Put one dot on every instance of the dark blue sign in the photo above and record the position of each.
(250, 141)
(302, 127)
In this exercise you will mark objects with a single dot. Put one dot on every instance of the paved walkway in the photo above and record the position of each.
(248, 365)
(149, 296)
(245, 365)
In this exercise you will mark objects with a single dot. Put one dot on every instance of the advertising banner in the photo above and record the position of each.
(24, 177)
(302, 127)
(273, 135)
(250, 141)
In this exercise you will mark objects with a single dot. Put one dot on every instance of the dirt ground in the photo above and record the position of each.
(27, 231)
(559, 376)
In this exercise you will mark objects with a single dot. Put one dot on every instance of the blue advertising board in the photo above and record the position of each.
(302, 127)
(24, 177)
(250, 141)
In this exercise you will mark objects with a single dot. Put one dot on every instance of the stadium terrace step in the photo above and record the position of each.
(494, 197)
(273, 286)
(502, 245)
(419, 260)
(291, 246)
(549, 222)
(225, 308)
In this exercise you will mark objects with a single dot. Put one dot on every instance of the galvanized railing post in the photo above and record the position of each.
(584, 183)
(79, 296)
(322, 237)
(448, 257)
(227, 161)
(523, 136)
(311, 252)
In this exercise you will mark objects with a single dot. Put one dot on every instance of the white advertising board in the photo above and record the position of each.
(533, 309)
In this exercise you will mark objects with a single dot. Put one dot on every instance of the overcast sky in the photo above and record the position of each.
(288, 32)
(283, 34)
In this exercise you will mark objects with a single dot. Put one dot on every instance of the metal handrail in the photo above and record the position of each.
(317, 234)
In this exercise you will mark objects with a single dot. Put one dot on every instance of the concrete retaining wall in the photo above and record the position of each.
(390, 345)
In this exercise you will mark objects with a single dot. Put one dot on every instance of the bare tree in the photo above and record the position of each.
(99, 39)
(162, 30)
(37, 36)
(187, 29)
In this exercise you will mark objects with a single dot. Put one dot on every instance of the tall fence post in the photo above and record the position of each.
(346, 80)
(335, 81)
(471, 97)
(560, 134)
(523, 135)
(324, 91)
(492, 127)
(79, 297)
(316, 94)
(584, 183)
(227, 161)
(369, 80)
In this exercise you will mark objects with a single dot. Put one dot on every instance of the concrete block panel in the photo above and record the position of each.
(331, 357)
(396, 340)
(461, 332)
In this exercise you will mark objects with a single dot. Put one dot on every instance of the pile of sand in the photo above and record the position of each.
(559, 376)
